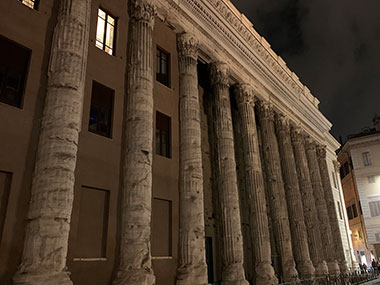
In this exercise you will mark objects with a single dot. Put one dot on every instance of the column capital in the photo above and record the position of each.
(336, 165)
(266, 110)
(310, 143)
(220, 73)
(282, 123)
(142, 10)
(297, 134)
(244, 94)
(187, 45)
(321, 151)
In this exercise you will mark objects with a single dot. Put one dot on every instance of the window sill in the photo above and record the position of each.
(163, 85)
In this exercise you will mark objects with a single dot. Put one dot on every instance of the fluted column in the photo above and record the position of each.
(46, 240)
(309, 208)
(320, 203)
(330, 202)
(255, 186)
(230, 225)
(294, 200)
(276, 192)
(135, 265)
(192, 260)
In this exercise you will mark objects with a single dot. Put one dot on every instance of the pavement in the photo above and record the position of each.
(373, 282)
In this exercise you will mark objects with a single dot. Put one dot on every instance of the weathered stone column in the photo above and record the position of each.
(135, 265)
(294, 200)
(309, 208)
(320, 203)
(192, 260)
(276, 192)
(46, 240)
(333, 217)
(255, 186)
(230, 225)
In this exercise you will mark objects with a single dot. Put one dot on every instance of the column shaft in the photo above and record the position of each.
(46, 241)
(255, 186)
(230, 225)
(309, 208)
(294, 200)
(192, 261)
(323, 215)
(329, 198)
(276, 192)
(135, 265)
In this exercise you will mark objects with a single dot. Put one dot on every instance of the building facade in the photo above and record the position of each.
(360, 172)
(159, 142)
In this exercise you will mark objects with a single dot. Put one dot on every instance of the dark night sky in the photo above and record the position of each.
(334, 48)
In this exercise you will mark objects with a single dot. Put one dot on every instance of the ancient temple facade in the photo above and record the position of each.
(159, 142)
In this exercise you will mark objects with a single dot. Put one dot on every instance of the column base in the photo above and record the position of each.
(133, 277)
(321, 269)
(333, 268)
(343, 267)
(61, 278)
(265, 274)
(306, 270)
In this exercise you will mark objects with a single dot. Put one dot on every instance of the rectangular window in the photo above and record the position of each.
(354, 210)
(346, 168)
(374, 208)
(209, 260)
(163, 67)
(105, 32)
(30, 3)
(339, 210)
(101, 110)
(161, 227)
(366, 158)
(163, 135)
(341, 170)
(5, 186)
(360, 208)
(371, 179)
(349, 213)
(334, 179)
(14, 61)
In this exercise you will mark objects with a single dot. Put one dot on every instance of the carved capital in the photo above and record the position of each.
(297, 134)
(336, 165)
(187, 45)
(282, 123)
(321, 151)
(244, 94)
(310, 144)
(266, 110)
(142, 10)
(220, 74)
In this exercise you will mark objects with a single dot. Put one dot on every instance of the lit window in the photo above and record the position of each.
(105, 32)
(371, 179)
(366, 158)
(30, 3)
(163, 63)
(163, 127)
(101, 110)
(14, 61)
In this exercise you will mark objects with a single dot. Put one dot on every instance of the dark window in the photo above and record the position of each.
(346, 168)
(163, 64)
(14, 61)
(360, 208)
(163, 130)
(349, 213)
(341, 170)
(371, 179)
(209, 260)
(105, 32)
(354, 211)
(30, 3)
(367, 159)
(339, 210)
(101, 110)
(334, 179)
(374, 208)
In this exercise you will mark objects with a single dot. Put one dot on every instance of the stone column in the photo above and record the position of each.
(192, 260)
(294, 200)
(320, 203)
(255, 186)
(135, 265)
(330, 203)
(276, 192)
(309, 208)
(230, 225)
(47, 231)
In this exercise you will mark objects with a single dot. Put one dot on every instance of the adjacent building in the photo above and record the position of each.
(359, 158)
(159, 142)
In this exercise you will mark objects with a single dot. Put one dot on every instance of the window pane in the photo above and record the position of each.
(102, 14)
(108, 50)
(109, 36)
(100, 30)
(29, 3)
(111, 20)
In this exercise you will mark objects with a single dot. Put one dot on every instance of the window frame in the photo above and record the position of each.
(367, 161)
(158, 137)
(36, 4)
(103, 43)
(167, 81)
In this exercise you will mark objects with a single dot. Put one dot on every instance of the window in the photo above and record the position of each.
(349, 213)
(339, 210)
(360, 208)
(105, 32)
(162, 69)
(374, 208)
(14, 61)
(101, 110)
(366, 158)
(371, 179)
(163, 129)
(346, 168)
(30, 3)
(209, 260)
(354, 211)
(162, 242)
(334, 180)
